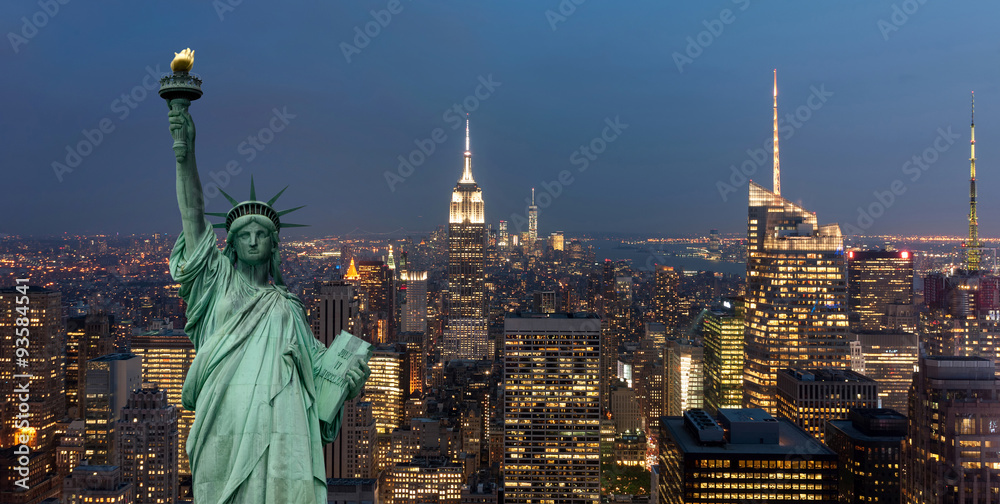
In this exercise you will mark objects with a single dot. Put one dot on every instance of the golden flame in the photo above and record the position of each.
(183, 61)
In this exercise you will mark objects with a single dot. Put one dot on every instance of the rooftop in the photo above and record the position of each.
(826, 375)
(791, 439)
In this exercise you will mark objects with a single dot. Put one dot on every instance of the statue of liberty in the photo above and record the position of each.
(265, 392)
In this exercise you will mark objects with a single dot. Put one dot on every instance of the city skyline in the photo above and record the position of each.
(879, 86)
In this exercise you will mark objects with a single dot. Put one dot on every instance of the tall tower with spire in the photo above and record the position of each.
(973, 248)
(465, 322)
(777, 167)
(532, 221)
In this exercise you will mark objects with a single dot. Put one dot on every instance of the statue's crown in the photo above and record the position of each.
(254, 207)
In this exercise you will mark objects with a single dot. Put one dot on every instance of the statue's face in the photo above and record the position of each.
(253, 244)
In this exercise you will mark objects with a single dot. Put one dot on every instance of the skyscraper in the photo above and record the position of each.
(377, 283)
(724, 356)
(880, 287)
(465, 327)
(415, 314)
(503, 238)
(796, 302)
(336, 311)
(166, 357)
(890, 358)
(532, 223)
(551, 407)
(665, 297)
(973, 247)
(868, 445)
(88, 337)
(110, 381)
(352, 454)
(949, 453)
(388, 387)
(31, 376)
(685, 376)
(146, 437)
(812, 397)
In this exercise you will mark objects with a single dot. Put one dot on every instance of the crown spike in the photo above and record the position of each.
(283, 225)
(220, 225)
(253, 191)
(231, 199)
(290, 210)
(271, 201)
(217, 214)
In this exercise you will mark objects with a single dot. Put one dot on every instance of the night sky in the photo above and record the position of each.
(884, 81)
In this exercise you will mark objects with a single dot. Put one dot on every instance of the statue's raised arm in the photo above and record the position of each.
(189, 191)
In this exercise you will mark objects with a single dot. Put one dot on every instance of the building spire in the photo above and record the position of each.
(973, 249)
(467, 170)
(777, 168)
(532, 196)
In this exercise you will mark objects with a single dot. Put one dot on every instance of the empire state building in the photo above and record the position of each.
(465, 325)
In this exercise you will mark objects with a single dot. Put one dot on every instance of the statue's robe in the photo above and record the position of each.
(257, 435)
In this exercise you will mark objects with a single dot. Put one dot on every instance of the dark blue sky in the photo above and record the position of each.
(892, 88)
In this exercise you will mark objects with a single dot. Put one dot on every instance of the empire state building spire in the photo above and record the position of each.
(973, 248)
(777, 168)
(467, 171)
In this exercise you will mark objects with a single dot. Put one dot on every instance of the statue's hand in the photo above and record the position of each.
(356, 379)
(181, 128)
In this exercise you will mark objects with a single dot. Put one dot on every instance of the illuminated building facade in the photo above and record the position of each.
(685, 376)
(465, 329)
(430, 480)
(745, 456)
(352, 454)
(415, 314)
(868, 447)
(377, 283)
(723, 339)
(146, 438)
(812, 397)
(503, 236)
(387, 387)
(649, 379)
(950, 451)
(880, 289)
(551, 408)
(666, 297)
(87, 337)
(45, 400)
(796, 301)
(890, 358)
(110, 381)
(557, 241)
(89, 484)
(532, 223)
(166, 357)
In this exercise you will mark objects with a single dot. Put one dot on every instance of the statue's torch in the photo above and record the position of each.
(179, 89)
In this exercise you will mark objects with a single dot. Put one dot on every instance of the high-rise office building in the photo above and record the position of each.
(796, 302)
(880, 288)
(666, 297)
(352, 454)
(87, 337)
(714, 244)
(377, 283)
(503, 236)
(551, 407)
(146, 438)
(110, 381)
(723, 339)
(868, 446)
(388, 387)
(950, 450)
(166, 356)
(89, 484)
(336, 310)
(649, 378)
(812, 397)
(745, 456)
(796, 294)
(465, 330)
(32, 379)
(890, 358)
(415, 314)
(685, 376)
(557, 241)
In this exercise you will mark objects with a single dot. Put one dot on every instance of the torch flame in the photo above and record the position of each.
(183, 61)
